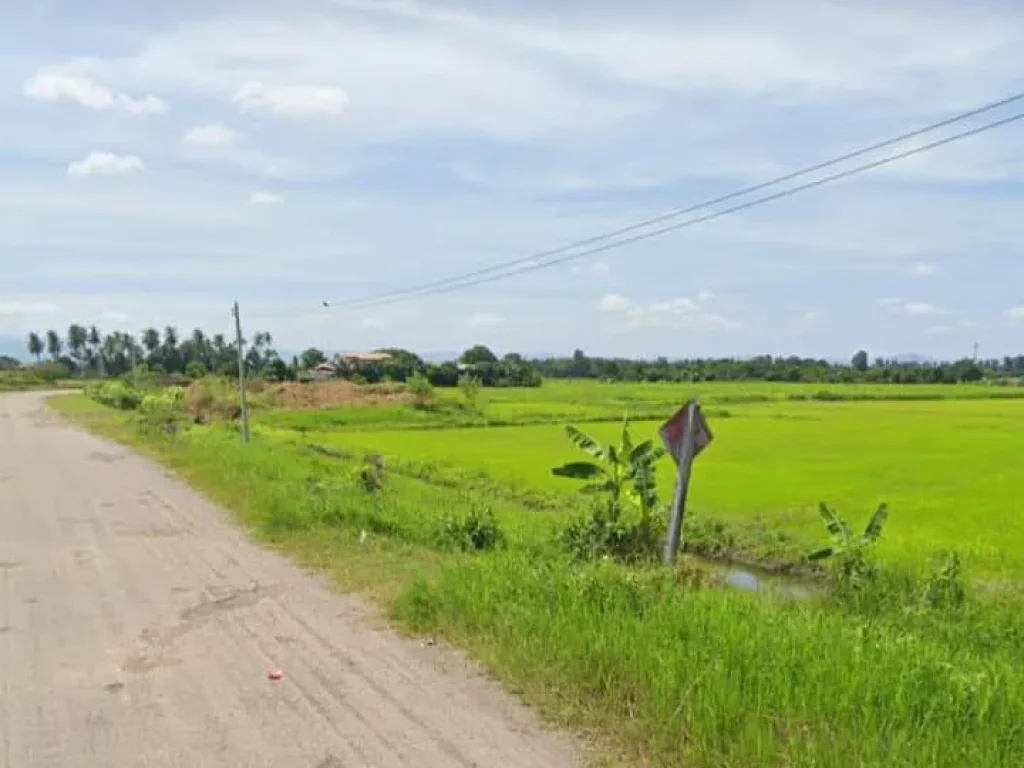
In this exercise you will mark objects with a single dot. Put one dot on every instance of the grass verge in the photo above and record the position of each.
(669, 671)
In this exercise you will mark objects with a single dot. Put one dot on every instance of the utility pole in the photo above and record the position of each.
(241, 374)
(975, 351)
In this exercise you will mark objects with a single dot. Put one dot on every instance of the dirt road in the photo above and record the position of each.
(137, 628)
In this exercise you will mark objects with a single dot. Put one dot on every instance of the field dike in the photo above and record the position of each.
(662, 667)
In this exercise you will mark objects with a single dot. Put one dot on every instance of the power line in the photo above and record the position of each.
(544, 259)
(471, 279)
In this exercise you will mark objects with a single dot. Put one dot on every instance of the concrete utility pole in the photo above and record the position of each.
(241, 374)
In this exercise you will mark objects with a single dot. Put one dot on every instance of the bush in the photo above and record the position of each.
(477, 531)
(196, 369)
(116, 394)
(421, 390)
(605, 533)
(162, 410)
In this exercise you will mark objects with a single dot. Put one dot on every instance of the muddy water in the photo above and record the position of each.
(752, 579)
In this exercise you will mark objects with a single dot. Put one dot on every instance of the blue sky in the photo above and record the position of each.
(158, 160)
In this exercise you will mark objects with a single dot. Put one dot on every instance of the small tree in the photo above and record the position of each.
(419, 387)
(623, 470)
(860, 361)
(848, 551)
(469, 386)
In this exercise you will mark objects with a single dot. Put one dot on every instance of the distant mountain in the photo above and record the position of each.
(911, 358)
(439, 357)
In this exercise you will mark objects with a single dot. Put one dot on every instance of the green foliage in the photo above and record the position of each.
(370, 475)
(418, 386)
(475, 531)
(477, 355)
(605, 532)
(469, 386)
(851, 570)
(161, 413)
(625, 469)
(196, 369)
(116, 394)
(944, 588)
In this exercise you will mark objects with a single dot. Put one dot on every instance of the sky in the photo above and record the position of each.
(160, 160)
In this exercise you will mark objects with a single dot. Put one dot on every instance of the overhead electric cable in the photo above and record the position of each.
(560, 255)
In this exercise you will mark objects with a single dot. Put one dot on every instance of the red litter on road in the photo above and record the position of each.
(275, 675)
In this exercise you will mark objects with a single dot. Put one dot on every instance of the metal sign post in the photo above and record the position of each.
(685, 435)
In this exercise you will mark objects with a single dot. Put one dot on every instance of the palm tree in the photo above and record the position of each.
(151, 343)
(36, 346)
(95, 348)
(77, 339)
(201, 347)
(54, 345)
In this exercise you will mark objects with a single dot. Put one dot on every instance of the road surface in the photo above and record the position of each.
(138, 626)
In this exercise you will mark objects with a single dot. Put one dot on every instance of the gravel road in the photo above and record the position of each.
(138, 626)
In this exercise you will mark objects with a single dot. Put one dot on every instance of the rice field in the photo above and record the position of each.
(950, 469)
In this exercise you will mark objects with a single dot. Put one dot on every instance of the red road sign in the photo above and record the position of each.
(673, 431)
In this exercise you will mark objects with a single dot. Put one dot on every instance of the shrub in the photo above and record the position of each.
(469, 386)
(116, 394)
(421, 390)
(196, 369)
(162, 410)
(477, 531)
(606, 533)
(370, 475)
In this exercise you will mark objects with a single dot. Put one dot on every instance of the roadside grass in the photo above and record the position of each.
(663, 671)
(22, 381)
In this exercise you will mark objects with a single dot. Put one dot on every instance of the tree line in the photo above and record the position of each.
(85, 351)
(860, 369)
(88, 352)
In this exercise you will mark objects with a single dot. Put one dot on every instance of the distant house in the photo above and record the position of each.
(324, 371)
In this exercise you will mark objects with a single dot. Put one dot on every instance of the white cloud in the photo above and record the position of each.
(1015, 313)
(373, 323)
(485, 319)
(53, 87)
(705, 296)
(914, 308)
(213, 135)
(292, 101)
(921, 308)
(106, 164)
(682, 312)
(613, 303)
(265, 198)
(922, 269)
(11, 308)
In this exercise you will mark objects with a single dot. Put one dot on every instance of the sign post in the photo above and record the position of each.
(685, 435)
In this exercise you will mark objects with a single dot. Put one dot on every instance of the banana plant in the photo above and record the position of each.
(844, 540)
(618, 470)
